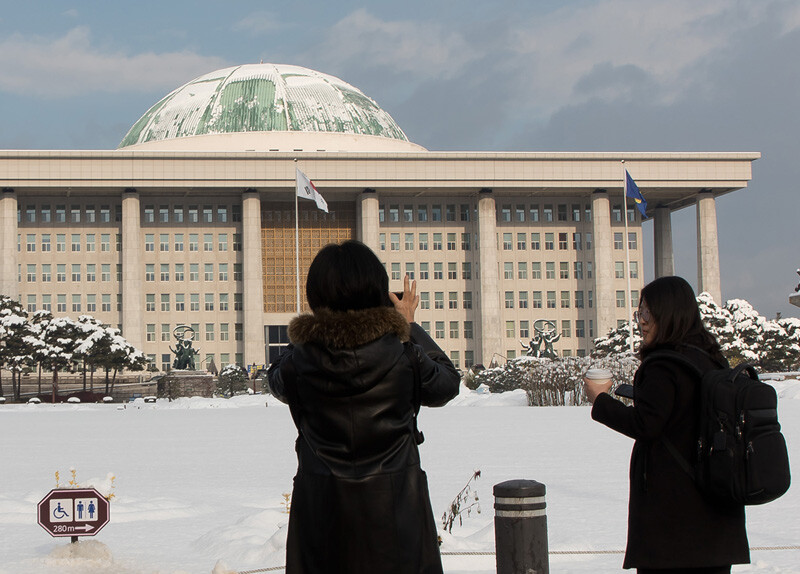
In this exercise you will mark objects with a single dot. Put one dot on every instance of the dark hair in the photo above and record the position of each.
(673, 306)
(347, 276)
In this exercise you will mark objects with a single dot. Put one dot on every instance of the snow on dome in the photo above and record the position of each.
(268, 100)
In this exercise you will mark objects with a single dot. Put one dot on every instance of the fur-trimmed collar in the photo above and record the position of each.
(348, 329)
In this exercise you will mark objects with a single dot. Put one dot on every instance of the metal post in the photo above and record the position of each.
(520, 527)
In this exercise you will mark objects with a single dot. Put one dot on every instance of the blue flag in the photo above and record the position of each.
(632, 191)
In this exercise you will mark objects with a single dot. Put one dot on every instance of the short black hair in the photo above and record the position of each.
(347, 277)
(673, 306)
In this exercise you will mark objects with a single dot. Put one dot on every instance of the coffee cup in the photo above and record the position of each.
(598, 375)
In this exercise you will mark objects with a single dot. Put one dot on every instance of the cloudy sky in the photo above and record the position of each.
(543, 75)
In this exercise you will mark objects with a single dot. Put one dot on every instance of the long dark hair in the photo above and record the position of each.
(673, 307)
(347, 277)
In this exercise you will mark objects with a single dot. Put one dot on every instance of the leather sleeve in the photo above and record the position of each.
(439, 378)
(654, 399)
(275, 379)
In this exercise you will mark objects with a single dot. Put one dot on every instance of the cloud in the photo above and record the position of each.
(425, 49)
(258, 23)
(70, 66)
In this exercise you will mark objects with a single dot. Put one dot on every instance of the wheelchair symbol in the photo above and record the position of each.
(59, 513)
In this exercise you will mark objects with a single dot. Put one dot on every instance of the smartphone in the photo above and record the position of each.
(624, 390)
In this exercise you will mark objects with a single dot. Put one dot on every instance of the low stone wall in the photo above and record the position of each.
(186, 384)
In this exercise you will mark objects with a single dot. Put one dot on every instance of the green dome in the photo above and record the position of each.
(263, 98)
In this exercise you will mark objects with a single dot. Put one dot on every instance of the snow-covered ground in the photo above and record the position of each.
(199, 483)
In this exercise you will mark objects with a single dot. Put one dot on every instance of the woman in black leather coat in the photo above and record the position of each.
(360, 502)
(672, 527)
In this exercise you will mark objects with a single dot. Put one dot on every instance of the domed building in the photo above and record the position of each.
(192, 221)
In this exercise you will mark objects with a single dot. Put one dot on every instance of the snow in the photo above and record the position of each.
(199, 484)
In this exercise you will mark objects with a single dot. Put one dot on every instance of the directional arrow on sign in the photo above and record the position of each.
(85, 527)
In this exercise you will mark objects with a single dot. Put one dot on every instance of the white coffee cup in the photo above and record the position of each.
(598, 375)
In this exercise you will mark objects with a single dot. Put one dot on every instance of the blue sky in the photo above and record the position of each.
(584, 75)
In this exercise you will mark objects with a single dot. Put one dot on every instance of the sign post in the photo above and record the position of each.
(73, 512)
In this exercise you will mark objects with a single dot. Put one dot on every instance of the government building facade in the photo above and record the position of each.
(191, 221)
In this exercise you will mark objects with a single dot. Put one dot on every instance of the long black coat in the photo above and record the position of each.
(360, 502)
(670, 523)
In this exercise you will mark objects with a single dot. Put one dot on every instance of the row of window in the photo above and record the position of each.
(166, 302)
(509, 271)
(178, 302)
(89, 242)
(510, 241)
(464, 329)
(212, 332)
(88, 272)
(547, 212)
(47, 213)
(518, 299)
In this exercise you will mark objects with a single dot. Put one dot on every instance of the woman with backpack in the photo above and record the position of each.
(672, 526)
(354, 376)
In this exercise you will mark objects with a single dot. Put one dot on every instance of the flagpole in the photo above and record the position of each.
(627, 253)
(296, 239)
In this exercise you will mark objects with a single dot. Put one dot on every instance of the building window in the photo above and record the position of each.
(523, 299)
(547, 212)
(30, 243)
(61, 303)
(76, 272)
(437, 241)
(562, 241)
(395, 271)
(208, 242)
(452, 270)
(208, 214)
(194, 271)
(452, 300)
(149, 242)
(537, 299)
(466, 244)
(422, 213)
(632, 241)
(61, 272)
(224, 335)
(550, 270)
(394, 242)
(208, 271)
(194, 301)
(46, 242)
(46, 273)
(549, 241)
(466, 270)
(565, 299)
(439, 330)
(618, 240)
(580, 330)
(562, 212)
(180, 302)
(105, 303)
(75, 214)
(464, 212)
(164, 272)
(423, 241)
(510, 328)
(536, 270)
(409, 242)
(91, 272)
(223, 301)
(150, 272)
(179, 270)
(76, 303)
(238, 272)
(616, 213)
(438, 300)
(149, 214)
(236, 213)
(410, 270)
(566, 329)
(509, 300)
(451, 241)
(163, 214)
(466, 300)
(521, 243)
(436, 213)
(468, 330)
(524, 329)
(535, 243)
(237, 241)
(508, 270)
(394, 213)
(31, 273)
(577, 269)
(533, 212)
(423, 270)
(619, 270)
(408, 213)
(151, 335)
(165, 302)
(577, 243)
(522, 270)
(76, 242)
(105, 242)
(438, 271)
(222, 214)
(223, 272)
(424, 300)
(507, 242)
(620, 299)
(209, 331)
(579, 299)
(563, 270)
(551, 299)
(454, 329)
(150, 302)
(194, 242)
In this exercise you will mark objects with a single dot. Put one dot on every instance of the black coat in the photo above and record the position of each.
(360, 502)
(670, 523)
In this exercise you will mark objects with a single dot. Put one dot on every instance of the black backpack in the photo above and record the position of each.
(741, 453)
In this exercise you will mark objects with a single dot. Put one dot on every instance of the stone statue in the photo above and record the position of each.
(184, 352)
(541, 344)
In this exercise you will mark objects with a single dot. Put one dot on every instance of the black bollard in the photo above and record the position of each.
(520, 527)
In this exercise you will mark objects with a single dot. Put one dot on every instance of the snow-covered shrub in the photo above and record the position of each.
(555, 382)
(231, 381)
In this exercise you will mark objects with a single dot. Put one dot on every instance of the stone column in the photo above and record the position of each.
(368, 212)
(9, 259)
(253, 276)
(662, 242)
(132, 271)
(604, 296)
(708, 278)
(489, 294)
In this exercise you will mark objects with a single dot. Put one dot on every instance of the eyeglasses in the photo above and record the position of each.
(643, 316)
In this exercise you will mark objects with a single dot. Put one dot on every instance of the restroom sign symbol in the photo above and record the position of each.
(73, 512)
